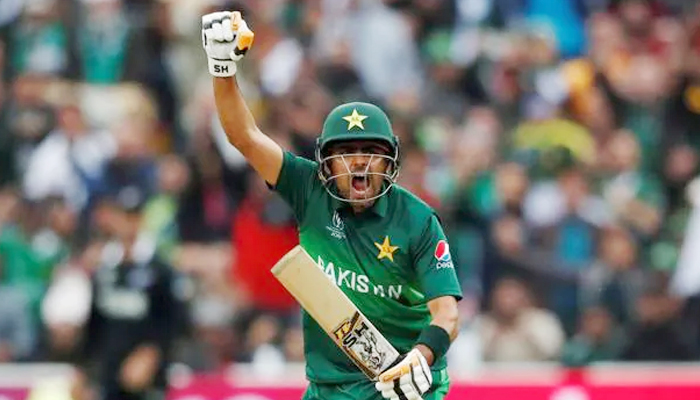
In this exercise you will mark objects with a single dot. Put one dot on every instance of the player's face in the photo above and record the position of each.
(360, 167)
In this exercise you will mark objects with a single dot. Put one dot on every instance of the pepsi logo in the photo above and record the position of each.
(442, 251)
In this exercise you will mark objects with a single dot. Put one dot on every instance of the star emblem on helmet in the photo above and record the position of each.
(355, 120)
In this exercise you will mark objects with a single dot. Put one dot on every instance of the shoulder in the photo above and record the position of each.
(298, 170)
(297, 160)
(411, 205)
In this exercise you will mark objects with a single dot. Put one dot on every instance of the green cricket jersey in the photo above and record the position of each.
(390, 260)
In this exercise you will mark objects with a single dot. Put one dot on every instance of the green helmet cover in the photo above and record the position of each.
(356, 121)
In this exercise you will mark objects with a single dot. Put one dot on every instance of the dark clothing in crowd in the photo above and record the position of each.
(135, 302)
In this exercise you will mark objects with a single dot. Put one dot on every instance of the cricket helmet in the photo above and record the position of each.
(357, 121)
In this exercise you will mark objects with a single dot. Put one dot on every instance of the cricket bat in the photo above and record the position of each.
(335, 313)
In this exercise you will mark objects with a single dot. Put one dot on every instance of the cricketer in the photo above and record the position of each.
(384, 247)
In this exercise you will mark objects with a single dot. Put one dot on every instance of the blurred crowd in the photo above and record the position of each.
(556, 139)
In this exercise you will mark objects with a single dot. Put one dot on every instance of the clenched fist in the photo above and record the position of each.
(225, 38)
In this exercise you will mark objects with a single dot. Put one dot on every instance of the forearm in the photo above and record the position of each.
(262, 153)
(449, 322)
(235, 117)
(445, 317)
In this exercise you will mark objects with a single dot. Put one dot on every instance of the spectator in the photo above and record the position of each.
(566, 21)
(263, 231)
(28, 118)
(214, 343)
(65, 309)
(69, 160)
(261, 346)
(508, 257)
(515, 330)
(636, 197)
(414, 177)
(571, 238)
(29, 253)
(598, 339)
(383, 54)
(136, 307)
(133, 164)
(658, 335)
(615, 280)
(39, 41)
(161, 211)
(109, 49)
(512, 184)
(292, 345)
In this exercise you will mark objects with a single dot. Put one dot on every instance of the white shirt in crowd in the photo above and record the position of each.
(54, 167)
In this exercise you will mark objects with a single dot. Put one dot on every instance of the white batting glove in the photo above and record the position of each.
(225, 38)
(408, 379)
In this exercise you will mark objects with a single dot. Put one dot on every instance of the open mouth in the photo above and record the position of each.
(360, 183)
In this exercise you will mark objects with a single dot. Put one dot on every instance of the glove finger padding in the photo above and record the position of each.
(212, 26)
(226, 30)
(408, 379)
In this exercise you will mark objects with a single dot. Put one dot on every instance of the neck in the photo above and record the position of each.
(360, 207)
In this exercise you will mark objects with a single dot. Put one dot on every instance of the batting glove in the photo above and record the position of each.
(407, 380)
(225, 38)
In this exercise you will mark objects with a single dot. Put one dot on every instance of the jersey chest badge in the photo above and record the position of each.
(386, 249)
(336, 227)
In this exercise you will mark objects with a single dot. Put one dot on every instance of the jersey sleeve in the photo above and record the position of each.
(295, 182)
(435, 269)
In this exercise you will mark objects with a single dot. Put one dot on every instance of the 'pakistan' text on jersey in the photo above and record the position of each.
(390, 260)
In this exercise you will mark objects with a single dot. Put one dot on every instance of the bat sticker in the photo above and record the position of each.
(357, 338)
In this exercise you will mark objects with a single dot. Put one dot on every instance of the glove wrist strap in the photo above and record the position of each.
(436, 339)
(222, 68)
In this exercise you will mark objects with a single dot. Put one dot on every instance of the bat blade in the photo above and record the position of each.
(335, 313)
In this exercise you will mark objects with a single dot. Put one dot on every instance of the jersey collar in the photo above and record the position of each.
(380, 206)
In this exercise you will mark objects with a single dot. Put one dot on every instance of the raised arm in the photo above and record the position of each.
(263, 154)
(226, 38)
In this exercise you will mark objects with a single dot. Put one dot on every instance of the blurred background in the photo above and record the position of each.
(558, 141)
